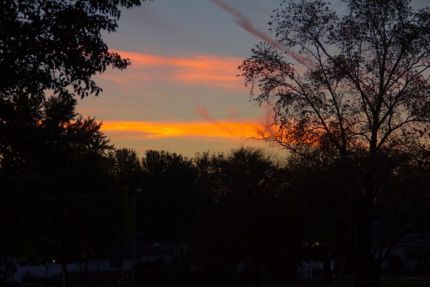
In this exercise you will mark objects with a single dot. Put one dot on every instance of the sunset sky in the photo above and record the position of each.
(182, 92)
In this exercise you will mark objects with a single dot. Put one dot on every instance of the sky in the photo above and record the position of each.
(182, 92)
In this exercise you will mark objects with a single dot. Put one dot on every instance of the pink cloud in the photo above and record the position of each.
(201, 70)
(204, 114)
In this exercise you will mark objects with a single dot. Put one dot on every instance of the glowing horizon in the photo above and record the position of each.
(222, 129)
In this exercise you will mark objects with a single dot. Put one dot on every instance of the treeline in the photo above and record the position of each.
(248, 216)
(226, 208)
(67, 195)
(357, 184)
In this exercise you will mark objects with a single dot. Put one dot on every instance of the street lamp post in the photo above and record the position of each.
(136, 192)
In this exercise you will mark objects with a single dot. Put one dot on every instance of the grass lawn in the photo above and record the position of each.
(385, 282)
(345, 282)
(389, 282)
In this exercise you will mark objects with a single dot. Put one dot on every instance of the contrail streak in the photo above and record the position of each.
(244, 22)
(203, 112)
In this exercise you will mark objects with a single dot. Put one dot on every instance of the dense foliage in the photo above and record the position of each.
(59, 198)
(356, 99)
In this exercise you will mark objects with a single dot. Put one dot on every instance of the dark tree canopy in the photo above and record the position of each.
(242, 218)
(127, 167)
(358, 100)
(365, 84)
(56, 46)
(51, 49)
(61, 198)
(166, 208)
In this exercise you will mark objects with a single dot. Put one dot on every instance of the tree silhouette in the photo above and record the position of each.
(59, 194)
(65, 199)
(127, 167)
(51, 48)
(362, 96)
(243, 221)
(314, 193)
(166, 209)
(56, 46)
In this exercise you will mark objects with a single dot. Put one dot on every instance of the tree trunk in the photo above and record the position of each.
(256, 268)
(366, 275)
(64, 275)
(366, 270)
(327, 275)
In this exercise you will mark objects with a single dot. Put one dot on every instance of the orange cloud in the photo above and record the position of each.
(233, 130)
(223, 130)
(207, 70)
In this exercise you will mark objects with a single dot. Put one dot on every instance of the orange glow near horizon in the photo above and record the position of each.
(232, 130)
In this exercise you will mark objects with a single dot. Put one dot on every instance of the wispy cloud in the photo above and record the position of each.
(247, 25)
(203, 70)
(204, 114)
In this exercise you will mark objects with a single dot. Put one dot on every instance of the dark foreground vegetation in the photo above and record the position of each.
(342, 282)
(352, 198)
(214, 218)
